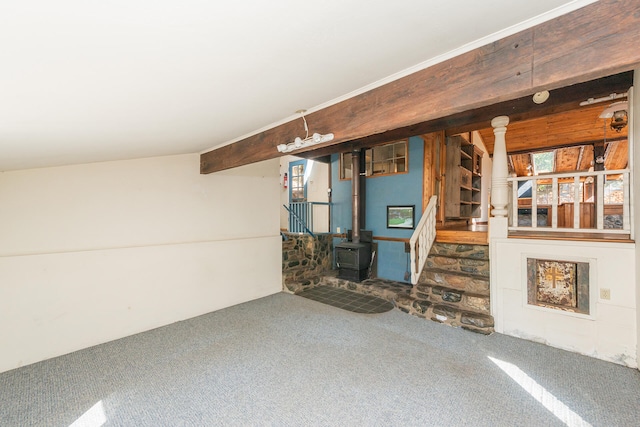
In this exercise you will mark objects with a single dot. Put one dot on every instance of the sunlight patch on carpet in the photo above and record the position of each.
(542, 395)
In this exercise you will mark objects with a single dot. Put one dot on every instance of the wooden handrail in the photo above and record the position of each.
(422, 239)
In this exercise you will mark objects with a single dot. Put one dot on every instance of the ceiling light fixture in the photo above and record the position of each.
(308, 141)
(541, 97)
(617, 112)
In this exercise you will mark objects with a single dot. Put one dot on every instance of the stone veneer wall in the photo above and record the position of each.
(305, 259)
(454, 287)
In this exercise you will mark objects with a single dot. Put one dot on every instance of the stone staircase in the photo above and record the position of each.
(454, 287)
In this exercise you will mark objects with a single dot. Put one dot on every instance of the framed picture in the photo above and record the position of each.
(400, 216)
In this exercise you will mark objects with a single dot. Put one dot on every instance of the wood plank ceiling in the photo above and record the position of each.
(570, 134)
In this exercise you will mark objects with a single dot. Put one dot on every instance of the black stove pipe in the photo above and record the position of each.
(355, 195)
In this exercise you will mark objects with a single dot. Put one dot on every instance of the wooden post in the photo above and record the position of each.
(500, 172)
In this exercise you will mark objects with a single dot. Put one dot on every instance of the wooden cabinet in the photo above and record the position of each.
(463, 178)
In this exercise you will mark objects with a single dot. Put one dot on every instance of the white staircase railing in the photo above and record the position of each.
(422, 239)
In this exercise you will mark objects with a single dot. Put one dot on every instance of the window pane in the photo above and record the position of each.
(613, 191)
(297, 193)
(543, 162)
(345, 166)
(544, 194)
(387, 159)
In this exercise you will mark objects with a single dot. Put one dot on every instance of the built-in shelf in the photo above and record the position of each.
(463, 179)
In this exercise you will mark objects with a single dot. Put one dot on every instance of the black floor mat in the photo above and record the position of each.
(347, 300)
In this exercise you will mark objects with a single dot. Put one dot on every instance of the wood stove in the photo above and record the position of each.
(353, 257)
(353, 260)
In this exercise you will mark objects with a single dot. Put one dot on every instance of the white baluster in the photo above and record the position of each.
(499, 186)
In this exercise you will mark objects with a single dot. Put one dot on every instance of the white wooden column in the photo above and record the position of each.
(498, 222)
(500, 172)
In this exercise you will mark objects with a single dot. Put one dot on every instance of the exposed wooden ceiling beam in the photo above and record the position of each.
(592, 42)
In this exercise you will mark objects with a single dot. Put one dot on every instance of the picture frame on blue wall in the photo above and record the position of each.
(401, 217)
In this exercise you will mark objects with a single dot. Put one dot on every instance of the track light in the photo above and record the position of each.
(308, 141)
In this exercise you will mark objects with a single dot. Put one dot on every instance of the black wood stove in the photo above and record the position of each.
(353, 257)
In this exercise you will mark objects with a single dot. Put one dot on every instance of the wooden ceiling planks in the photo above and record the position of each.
(587, 158)
(520, 164)
(566, 159)
(616, 155)
(575, 127)
(592, 42)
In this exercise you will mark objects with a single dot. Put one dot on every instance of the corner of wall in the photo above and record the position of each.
(635, 145)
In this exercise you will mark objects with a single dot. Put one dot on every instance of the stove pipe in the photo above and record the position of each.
(355, 195)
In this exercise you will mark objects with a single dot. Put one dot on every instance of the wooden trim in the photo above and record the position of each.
(595, 41)
(462, 237)
(391, 239)
(571, 236)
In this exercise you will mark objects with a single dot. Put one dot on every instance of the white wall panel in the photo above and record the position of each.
(92, 253)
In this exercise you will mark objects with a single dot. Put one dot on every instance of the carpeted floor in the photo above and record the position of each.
(288, 361)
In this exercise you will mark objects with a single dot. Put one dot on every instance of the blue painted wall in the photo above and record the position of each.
(401, 189)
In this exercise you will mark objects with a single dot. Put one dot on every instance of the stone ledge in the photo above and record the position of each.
(409, 300)
(460, 250)
(455, 281)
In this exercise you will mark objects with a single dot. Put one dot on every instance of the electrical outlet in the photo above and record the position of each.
(338, 230)
(605, 293)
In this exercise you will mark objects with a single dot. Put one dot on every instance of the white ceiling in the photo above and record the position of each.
(86, 81)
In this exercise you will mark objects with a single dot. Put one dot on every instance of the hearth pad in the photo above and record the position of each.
(347, 300)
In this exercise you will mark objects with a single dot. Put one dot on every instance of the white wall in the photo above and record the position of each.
(91, 253)
(317, 186)
(611, 333)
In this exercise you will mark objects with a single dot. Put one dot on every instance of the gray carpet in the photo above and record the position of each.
(288, 361)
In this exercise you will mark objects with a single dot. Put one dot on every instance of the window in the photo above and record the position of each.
(543, 162)
(346, 166)
(297, 182)
(385, 159)
(613, 191)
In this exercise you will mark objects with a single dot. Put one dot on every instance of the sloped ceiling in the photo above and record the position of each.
(88, 81)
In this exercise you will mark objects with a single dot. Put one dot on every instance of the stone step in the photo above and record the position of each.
(445, 313)
(460, 250)
(470, 311)
(475, 266)
(460, 299)
(472, 283)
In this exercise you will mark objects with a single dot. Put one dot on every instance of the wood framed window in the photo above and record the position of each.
(387, 159)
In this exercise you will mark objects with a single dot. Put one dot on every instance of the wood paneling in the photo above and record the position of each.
(566, 159)
(575, 127)
(462, 237)
(431, 141)
(587, 158)
(617, 155)
(520, 163)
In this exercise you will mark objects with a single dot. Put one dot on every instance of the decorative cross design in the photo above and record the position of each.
(552, 275)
